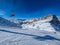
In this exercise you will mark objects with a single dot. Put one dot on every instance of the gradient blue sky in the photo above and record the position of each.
(29, 8)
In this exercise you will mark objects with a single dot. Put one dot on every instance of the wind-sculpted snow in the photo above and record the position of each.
(28, 37)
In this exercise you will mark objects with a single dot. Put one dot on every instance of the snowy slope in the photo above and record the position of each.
(16, 36)
(5, 22)
(33, 31)
(41, 25)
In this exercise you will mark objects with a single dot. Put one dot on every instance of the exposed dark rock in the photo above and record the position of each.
(54, 19)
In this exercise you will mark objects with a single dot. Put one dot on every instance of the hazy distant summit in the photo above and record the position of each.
(7, 23)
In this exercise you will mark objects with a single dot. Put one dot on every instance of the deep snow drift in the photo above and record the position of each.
(38, 31)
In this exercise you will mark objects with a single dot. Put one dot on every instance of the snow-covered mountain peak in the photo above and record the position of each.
(48, 22)
(52, 19)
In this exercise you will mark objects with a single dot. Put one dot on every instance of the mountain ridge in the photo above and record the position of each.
(49, 21)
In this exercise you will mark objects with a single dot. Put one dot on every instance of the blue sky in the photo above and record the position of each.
(29, 8)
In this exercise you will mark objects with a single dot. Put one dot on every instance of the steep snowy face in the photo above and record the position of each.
(48, 23)
(40, 25)
(5, 22)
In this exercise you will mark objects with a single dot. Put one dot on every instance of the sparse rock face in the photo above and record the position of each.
(48, 16)
(54, 19)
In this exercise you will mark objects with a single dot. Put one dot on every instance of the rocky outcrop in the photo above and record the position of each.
(54, 19)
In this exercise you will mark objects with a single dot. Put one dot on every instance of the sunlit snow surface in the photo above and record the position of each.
(41, 25)
(16, 36)
(41, 34)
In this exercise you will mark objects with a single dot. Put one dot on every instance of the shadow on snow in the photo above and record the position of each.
(40, 38)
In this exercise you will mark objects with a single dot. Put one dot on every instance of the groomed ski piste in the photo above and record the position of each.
(41, 33)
